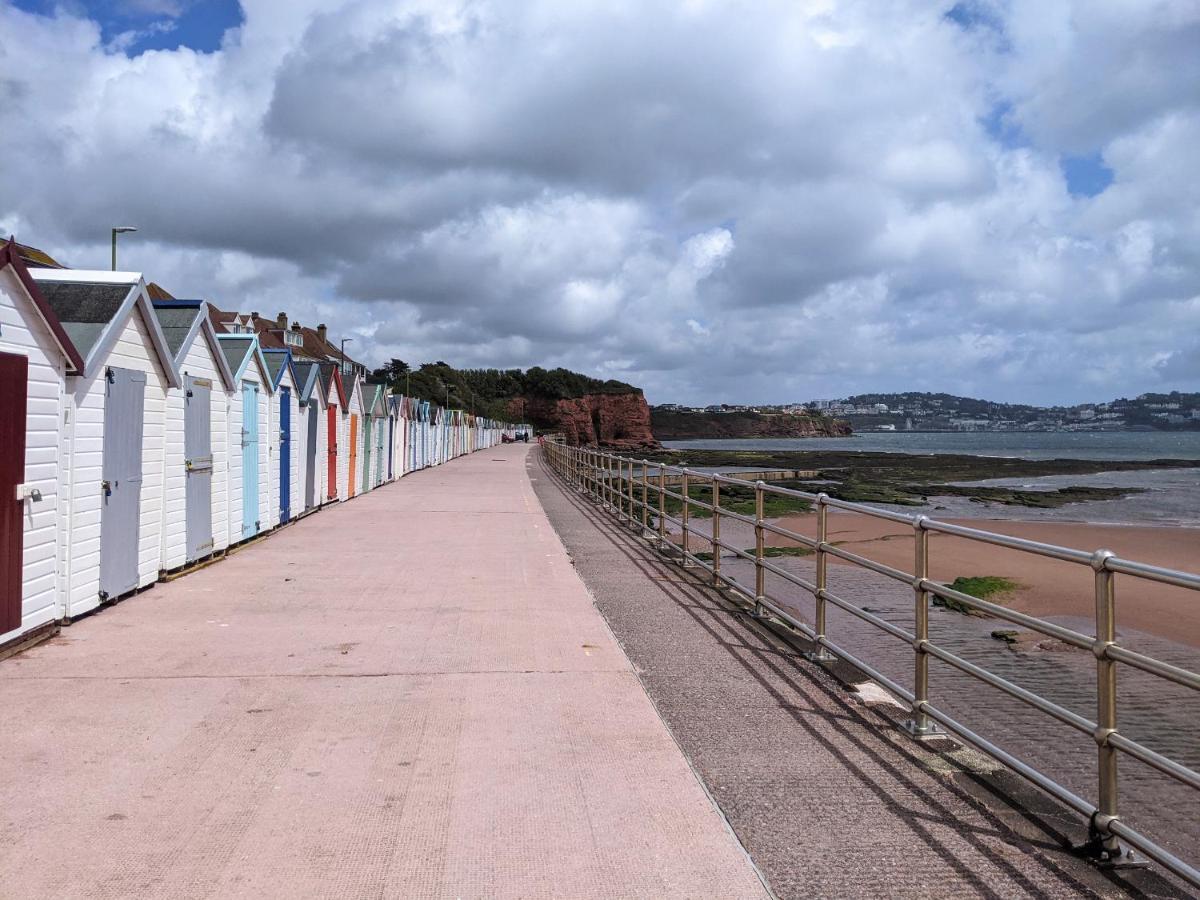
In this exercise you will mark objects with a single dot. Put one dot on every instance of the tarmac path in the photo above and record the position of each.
(407, 695)
(826, 793)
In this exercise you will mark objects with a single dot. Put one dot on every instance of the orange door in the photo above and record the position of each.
(353, 450)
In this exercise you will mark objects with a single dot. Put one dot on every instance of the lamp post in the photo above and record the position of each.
(343, 353)
(119, 229)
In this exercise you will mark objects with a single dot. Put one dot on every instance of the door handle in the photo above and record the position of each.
(107, 487)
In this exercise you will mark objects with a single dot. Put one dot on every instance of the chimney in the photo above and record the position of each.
(296, 327)
(322, 331)
(281, 321)
(254, 316)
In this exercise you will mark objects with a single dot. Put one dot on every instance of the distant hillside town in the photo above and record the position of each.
(915, 411)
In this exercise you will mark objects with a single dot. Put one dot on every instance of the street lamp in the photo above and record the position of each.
(120, 229)
(343, 353)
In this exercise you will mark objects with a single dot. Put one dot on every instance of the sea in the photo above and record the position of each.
(1157, 496)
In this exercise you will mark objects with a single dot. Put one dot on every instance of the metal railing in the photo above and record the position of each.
(636, 492)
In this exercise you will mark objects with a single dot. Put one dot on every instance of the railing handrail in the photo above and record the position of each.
(611, 479)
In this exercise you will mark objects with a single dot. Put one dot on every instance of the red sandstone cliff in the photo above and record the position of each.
(618, 421)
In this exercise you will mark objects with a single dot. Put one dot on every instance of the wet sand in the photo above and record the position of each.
(1049, 587)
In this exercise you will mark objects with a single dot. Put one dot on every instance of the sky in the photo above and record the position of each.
(759, 201)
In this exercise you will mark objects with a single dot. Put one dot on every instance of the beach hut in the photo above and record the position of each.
(286, 431)
(196, 437)
(395, 438)
(36, 356)
(352, 418)
(374, 434)
(335, 401)
(313, 447)
(249, 416)
(114, 419)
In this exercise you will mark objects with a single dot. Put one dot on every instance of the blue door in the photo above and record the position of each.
(249, 459)
(285, 454)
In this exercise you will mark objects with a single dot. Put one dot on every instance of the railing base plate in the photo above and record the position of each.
(930, 731)
(1102, 857)
(819, 656)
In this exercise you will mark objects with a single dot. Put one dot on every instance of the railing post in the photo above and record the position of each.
(1107, 846)
(760, 574)
(645, 497)
(920, 726)
(662, 505)
(716, 531)
(632, 503)
(684, 516)
(821, 607)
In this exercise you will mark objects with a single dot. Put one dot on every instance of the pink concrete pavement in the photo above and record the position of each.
(408, 695)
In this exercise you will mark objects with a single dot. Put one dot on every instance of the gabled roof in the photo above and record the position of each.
(308, 379)
(278, 362)
(181, 321)
(331, 379)
(242, 351)
(372, 398)
(10, 255)
(93, 306)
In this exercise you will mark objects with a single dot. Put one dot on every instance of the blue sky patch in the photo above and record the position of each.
(1086, 176)
(136, 26)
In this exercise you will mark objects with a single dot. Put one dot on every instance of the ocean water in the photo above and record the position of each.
(1162, 496)
(1026, 445)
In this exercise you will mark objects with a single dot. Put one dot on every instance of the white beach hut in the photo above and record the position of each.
(249, 442)
(335, 402)
(286, 431)
(313, 447)
(196, 441)
(36, 356)
(352, 428)
(111, 506)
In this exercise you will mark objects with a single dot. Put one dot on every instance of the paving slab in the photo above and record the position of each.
(407, 695)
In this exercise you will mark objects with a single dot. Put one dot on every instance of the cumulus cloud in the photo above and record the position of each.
(718, 201)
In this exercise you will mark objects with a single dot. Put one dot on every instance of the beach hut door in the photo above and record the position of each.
(14, 379)
(366, 483)
(121, 487)
(353, 451)
(310, 473)
(197, 453)
(285, 454)
(249, 459)
(333, 451)
(380, 450)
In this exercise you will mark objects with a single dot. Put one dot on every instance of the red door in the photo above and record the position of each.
(14, 375)
(333, 451)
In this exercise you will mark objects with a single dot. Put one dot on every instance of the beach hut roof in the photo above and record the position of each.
(278, 362)
(331, 378)
(308, 377)
(93, 307)
(241, 351)
(11, 256)
(181, 322)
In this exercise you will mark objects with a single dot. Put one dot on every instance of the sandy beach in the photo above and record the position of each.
(1048, 587)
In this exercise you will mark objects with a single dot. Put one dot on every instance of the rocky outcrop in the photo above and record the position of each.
(616, 421)
(669, 425)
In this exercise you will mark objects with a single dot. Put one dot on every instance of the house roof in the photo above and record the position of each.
(11, 255)
(93, 307)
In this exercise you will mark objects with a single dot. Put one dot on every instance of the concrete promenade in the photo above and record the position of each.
(409, 695)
